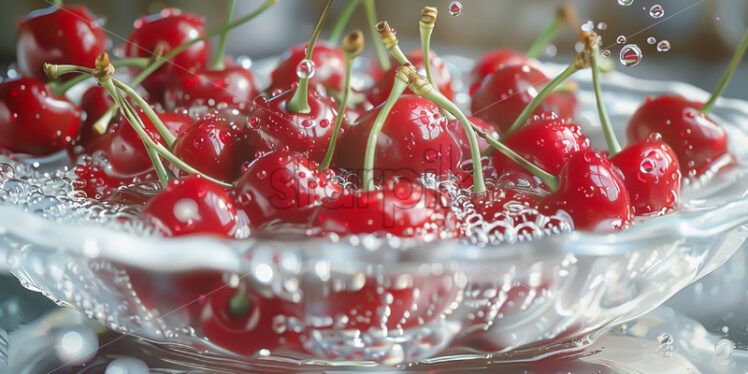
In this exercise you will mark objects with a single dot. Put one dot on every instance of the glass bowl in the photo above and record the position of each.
(362, 300)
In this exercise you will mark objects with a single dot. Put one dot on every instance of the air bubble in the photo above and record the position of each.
(724, 348)
(630, 55)
(455, 8)
(305, 69)
(621, 39)
(656, 11)
(663, 46)
(588, 26)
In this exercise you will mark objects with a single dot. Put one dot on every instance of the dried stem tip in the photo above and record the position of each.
(353, 44)
(584, 58)
(568, 14)
(428, 17)
(418, 83)
(51, 71)
(388, 34)
(103, 68)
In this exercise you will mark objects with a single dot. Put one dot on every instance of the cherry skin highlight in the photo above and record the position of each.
(233, 86)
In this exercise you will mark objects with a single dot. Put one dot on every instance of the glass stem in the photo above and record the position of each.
(371, 17)
(728, 74)
(341, 113)
(610, 136)
(217, 63)
(342, 21)
(299, 103)
(371, 144)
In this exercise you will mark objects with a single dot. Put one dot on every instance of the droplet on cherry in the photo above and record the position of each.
(305, 69)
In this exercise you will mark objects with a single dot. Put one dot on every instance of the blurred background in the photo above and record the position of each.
(702, 33)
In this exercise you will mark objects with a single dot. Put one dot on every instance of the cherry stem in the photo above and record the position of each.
(353, 45)
(57, 3)
(60, 88)
(537, 100)
(426, 27)
(166, 135)
(239, 305)
(610, 136)
(390, 42)
(371, 17)
(217, 63)
(342, 21)
(299, 103)
(538, 46)
(728, 74)
(401, 83)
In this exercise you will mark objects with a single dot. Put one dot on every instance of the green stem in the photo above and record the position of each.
(613, 146)
(426, 31)
(217, 63)
(371, 144)
(544, 38)
(149, 112)
(299, 103)
(57, 3)
(60, 88)
(342, 21)
(371, 17)
(479, 185)
(137, 62)
(728, 74)
(341, 113)
(537, 100)
(550, 180)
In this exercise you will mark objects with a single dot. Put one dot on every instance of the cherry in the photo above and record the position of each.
(58, 35)
(505, 93)
(652, 175)
(32, 120)
(329, 67)
(98, 181)
(545, 140)
(94, 102)
(458, 133)
(282, 182)
(271, 126)
(592, 192)
(697, 140)
(413, 141)
(402, 208)
(215, 146)
(233, 86)
(379, 93)
(168, 29)
(495, 60)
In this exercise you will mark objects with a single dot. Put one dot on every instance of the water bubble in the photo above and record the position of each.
(455, 8)
(602, 26)
(630, 55)
(651, 40)
(621, 39)
(656, 11)
(305, 69)
(587, 26)
(606, 53)
(724, 348)
(127, 365)
(625, 2)
(663, 46)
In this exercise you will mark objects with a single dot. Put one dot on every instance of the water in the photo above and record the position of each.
(631, 55)
(606, 53)
(602, 26)
(621, 39)
(455, 8)
(657, 11)
(587, 26)
(625, 2)
(305, 69)
(663, 46)
(651, 40)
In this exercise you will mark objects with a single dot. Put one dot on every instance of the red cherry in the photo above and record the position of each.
(546, 140)
(652, 175)
(414, 140)
(697, 140)
(58, 35)
(32, 120)
(233, 86)
(194, 205)
(125, 149)
(215, 147)
(94, 102)
(495, 60)
(402, 208)
(592, 192)
(169, 28)
(443, 80)
(271, 126)
(329, 67)
(504, 95)
(458, 133)
(97, 181)
(281, 183)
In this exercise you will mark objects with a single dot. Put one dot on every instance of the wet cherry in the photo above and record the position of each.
(233, 86)
(94, 103)
(457, 131)
(32, 120)
(98, 181)
(379, 93)
(495, 60)
(58, 35)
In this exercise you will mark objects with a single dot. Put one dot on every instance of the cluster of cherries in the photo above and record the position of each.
(259, 160)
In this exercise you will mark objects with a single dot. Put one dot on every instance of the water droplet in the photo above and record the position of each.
(606, 53)
(630, 55)
(602, 26)
(587, 26)
(455, 8)
(656, 11)
(305, 69)
(651, 40)
(621, 39)
(724, 348)
(718, 18)
(663, 46)
(625, 2)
